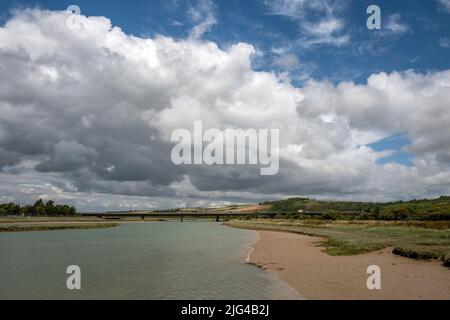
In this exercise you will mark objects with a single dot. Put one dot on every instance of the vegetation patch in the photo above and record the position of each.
(447, 261)
(416, 254)
(336, 247)
(414, 210)
(39, 209)
(37, 227)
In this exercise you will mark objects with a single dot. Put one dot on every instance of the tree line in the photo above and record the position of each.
(424, 209)
(39, 209)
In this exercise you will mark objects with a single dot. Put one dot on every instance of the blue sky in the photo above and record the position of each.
(421, 43)
(396, 145)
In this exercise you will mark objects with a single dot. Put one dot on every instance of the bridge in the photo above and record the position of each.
(180, 215)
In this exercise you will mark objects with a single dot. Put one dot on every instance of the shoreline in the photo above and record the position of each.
(251, 248)
(248, 260)
(298, 261)
(55, 227)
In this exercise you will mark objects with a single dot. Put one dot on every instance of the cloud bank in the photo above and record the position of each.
(86, 116)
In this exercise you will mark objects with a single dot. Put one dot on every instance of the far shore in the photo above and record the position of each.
(32, 224)
(53, 226)
(302, 263)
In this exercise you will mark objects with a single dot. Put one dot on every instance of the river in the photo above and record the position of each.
(147, 260)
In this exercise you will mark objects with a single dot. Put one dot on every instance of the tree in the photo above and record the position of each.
(39, 208)
(50, 208)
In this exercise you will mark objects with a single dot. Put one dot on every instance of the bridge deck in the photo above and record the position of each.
(179, 215)
(182, 215)
(174, 214)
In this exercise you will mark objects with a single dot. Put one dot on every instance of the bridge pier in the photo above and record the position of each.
(217, 218)
(142, 218)
(181, 217)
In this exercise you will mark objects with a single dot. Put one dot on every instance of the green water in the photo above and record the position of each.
(161, 260)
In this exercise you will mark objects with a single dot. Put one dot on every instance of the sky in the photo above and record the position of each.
(86, 113)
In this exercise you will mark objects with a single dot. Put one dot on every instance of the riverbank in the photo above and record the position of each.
(316, 275)
(51, 226)
(301, 261)
(22, 224)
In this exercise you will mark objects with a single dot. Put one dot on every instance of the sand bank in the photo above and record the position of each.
(316, 275)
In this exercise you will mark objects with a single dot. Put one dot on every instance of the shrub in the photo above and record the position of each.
(447, 261)
(416, 254)
(331, 215)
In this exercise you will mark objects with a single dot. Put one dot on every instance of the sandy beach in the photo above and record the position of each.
(316, 275)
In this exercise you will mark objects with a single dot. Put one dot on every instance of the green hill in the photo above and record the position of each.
(426, 209)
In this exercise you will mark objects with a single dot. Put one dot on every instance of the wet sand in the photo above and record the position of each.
(317, 276)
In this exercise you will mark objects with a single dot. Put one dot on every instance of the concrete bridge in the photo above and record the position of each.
(179, 215)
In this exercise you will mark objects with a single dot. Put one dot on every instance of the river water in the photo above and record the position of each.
(152, 260)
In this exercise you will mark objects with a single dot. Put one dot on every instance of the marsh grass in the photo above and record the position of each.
(416, 240)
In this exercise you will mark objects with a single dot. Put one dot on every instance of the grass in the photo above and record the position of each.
(43, 227)
(19, 219)
(417, 240)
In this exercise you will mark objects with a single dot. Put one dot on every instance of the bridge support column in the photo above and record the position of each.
(181, 218)
(143, 218)
(217, 218)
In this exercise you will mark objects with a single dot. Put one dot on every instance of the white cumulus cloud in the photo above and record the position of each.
(86, 116)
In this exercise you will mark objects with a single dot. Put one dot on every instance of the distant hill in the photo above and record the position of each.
(426, 209)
